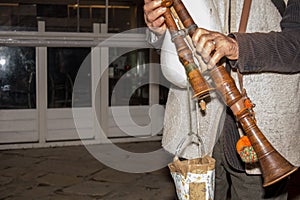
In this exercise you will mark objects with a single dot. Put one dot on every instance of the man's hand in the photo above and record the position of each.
(153, 14)
(212, 46)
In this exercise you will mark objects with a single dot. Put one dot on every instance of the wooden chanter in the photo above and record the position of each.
(199, 85)
(274, 166)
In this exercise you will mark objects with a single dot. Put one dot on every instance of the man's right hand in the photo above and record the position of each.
(153, 14)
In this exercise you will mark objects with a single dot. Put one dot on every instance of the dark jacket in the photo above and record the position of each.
(264, 52)
(274, 51)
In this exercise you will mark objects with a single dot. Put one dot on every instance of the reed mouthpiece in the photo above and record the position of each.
(167, 3)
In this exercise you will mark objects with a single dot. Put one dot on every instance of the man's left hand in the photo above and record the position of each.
(213, 46)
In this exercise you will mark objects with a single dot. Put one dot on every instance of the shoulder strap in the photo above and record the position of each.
(245, 16)
(242, 29)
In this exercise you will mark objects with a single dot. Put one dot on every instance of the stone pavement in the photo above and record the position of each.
(72, 173)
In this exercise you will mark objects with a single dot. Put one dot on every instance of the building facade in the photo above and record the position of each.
(72, 70)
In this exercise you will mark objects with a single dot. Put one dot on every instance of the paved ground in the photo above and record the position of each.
(65, 173)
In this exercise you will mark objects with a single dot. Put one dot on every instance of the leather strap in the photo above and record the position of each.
(242, 29)
(245, 16)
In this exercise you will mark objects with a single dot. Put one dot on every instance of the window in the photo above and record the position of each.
(17, 78)
(128, 77)
(18, 17)
(125, 15)
(63, 66)
(71, 16)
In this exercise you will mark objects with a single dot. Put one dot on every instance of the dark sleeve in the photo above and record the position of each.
(291, 17)
(274, 51)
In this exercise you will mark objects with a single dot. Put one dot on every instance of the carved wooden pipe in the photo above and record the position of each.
(200, 86)
(274, 166)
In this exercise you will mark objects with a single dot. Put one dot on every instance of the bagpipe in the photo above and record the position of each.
(181, 26)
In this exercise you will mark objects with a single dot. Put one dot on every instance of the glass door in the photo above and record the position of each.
(131, 91)
(18, 102)
(63, 66)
